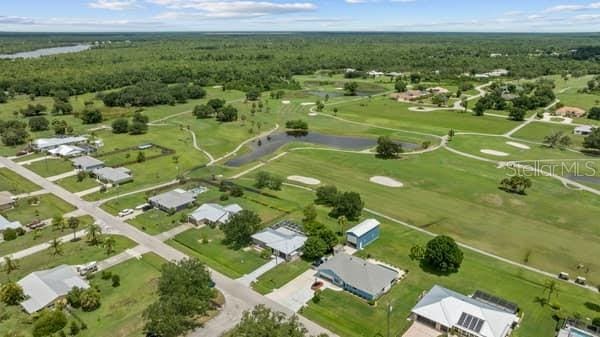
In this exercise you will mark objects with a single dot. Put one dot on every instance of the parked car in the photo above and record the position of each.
(126, 212)
(87, 268)
(143, 207)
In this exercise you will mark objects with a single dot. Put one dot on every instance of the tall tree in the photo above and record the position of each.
(56, 246)
(9, 266)
(240, 227)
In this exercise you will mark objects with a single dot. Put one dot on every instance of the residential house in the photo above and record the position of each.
(87, 163)
(213, 213)
(375, 73)
(438, 90)
(6, 224)
(285, 240)
(571, 112)
(113, 176)
(7, 200)
(44, 288)
(583, 130)
(357, 276)
(410, 95)
(445, 310)
(363, 234)
(173, 201)
(45, 144)
(66, 151)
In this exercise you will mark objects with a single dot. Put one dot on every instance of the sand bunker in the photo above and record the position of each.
(519, 145)
(217, 87)
(304, 180)
(494, 153)
(339, 88)
(386, 181)
(312, 114)
(285, 102)
(307, 103)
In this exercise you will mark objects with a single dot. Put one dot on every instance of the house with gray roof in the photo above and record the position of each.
(43, 288)
(173, 201)
(87, 163)
(6, 224)
(7, 200)
(357, 276)
(45, 144)
(114, 176)
(213, 213)
(445, 310)
(284, 241)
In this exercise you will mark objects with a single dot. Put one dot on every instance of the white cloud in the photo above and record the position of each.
(113, 5)
(211, 9)
(572, 8)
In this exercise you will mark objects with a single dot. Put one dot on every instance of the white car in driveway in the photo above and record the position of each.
(126, 212)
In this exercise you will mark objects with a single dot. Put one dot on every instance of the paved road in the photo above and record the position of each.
(235, 291)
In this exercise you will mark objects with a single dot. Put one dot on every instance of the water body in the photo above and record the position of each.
(321, 93)
(280, 139)
(47, 52)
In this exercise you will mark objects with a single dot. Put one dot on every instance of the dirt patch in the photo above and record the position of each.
(285, 102)
(492, 199)
(519, 145)
(307, 103)
(494, 153)
(386, 181)
(304, 180)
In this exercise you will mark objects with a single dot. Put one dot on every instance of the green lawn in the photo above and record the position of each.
(120, 313)
(72, 184)
(48, 207)
(233, 263)
(350, 316)
(43, 235)
(156, 221)
(536, 132)
(280, 276)
(50, 167)
(14, 183)
(73, 253)
(446, 193)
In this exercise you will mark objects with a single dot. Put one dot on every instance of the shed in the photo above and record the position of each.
(363, 234)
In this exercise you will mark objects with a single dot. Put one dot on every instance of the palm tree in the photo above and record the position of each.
(73, 224)
(109, 244)
(93, 232)
(57, 223)
(343, 222)
(10, 265)
(552, 287)
(56, 246)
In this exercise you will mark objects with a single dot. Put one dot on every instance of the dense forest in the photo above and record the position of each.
(268, 61)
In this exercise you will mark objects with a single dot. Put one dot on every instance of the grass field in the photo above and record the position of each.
(383, 111)
(44, 235)
(280, 276)
(50, 167)
(233, 263)
(73, 253)
(48, 207)
(350, 316)
(472, 209)
(156, 221)
(72, 183)
(536, 132)
(14, 183)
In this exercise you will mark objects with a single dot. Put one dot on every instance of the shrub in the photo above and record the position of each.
(105, 275)
(11, 293)
(90, 299)
(74, 297)
(49, 322)
(224, 197)
(443, 254)
(9, 234)
(116, 280)
(73, 328)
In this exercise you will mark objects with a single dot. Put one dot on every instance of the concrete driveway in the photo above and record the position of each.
(421, 330)
(295, 293)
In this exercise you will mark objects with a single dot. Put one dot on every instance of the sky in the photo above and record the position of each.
(299, 15)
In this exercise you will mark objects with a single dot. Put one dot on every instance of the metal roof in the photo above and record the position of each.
(173, 199)
(6, 224)
(281, 239)
(86, 161)
(363, 227)
(114, 175)
(360, 274)
(215, 212)
(447, 307)
(44, 143)
(44, 287)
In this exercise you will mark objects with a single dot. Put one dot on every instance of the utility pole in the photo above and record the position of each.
(389, 312)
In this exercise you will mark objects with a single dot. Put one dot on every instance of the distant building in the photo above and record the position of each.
(409, 95)
(569, 111)
(6, 224)
(173, 201)
(375, 73)
(213, 213)
(114, 176)
(358, 276)
(87, 163)
(45, 144)
(285, 240)
(438, 90)
(43, 288)
(7, 200)
(583, 130)
(495, 55)
(446, 310)
(363, 234)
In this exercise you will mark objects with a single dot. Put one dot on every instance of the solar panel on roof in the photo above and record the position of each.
(496, 301)
(470, 322)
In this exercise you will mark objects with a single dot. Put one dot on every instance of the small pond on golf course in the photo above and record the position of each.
(47, 51)
(274, 142)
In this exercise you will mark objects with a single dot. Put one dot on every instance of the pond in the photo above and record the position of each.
(47, 51)
(278, 140)
(339, 93)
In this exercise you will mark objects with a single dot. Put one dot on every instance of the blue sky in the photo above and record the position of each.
(300, 15)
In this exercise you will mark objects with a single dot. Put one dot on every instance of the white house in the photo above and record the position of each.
(44, 287)
(583, 130)
(66, 151)
(375, 73)
(284, 240)
(45, 144)
(214, 213)
(444, 309)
